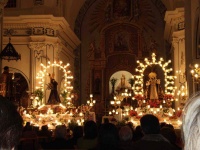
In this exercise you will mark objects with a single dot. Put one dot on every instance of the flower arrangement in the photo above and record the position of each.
(40, 94)
(168, 96)
(179, 113)
(139, 97)
(154, 103)
(113, 81)
(133, 113)
(131, 81)
(64, 95)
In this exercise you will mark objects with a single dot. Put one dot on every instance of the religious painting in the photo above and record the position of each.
(121, 8)
(121, 42)
(97, 82)
(39, 2)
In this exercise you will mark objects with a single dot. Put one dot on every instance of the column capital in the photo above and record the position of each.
(37, 45)
(3, 3)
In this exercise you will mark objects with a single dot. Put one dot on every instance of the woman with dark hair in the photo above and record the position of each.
(108, 138)
(137, 133)
(89, 140)
(11, 125)
(77, 133)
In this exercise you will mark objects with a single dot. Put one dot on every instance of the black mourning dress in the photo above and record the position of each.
(54, 96)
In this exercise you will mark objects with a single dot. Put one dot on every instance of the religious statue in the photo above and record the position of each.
(153, 90)
(6, 83)
(123, 85)
(123, 80)
(54, 96)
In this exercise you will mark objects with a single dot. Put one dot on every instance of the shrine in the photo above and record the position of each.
(103, 60)
(65, 62)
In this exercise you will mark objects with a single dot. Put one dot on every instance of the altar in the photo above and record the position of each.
(152, 90)
(53, 115)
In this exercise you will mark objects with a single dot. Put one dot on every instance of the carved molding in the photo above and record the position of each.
(37, 45)
(2, 5)
(178, 40)
(26, 30)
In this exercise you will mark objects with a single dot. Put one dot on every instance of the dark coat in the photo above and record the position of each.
(153, 142)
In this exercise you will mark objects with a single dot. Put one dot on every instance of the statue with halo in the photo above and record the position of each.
(153, 89)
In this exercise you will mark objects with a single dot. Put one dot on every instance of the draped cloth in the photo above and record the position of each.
(54, 96)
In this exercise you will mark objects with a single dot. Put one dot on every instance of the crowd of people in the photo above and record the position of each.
(150, 134)
(107, 136)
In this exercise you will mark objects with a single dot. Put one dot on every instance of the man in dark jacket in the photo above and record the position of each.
(152, 139)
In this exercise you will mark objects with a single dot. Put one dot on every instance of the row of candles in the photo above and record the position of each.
(53, 119)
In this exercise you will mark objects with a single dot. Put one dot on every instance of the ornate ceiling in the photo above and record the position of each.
(73, 8)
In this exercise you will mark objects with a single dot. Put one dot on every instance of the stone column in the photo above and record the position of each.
(37, 50)
(189, 50)
(2, 5)
(179, 63)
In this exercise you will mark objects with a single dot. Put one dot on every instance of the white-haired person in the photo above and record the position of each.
(125, 137)
(191, 123)
(11, 125)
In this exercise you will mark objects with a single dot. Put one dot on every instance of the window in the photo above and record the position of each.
(39, 2)
(11, 4)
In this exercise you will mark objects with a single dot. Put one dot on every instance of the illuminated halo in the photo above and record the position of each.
(169, 79)
(67, 86)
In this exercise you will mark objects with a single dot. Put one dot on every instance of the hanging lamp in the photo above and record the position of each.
(9, 53)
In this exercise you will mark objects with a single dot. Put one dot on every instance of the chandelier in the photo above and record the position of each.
(195, 73)
(9, 53)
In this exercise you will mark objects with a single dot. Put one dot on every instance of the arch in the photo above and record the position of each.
(18, 87)
(44, 72)
(169, 79)
(119, 75)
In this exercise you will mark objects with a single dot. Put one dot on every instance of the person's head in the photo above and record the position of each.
(90, 129)
(108, 137)
(162, 124)
(6, 69)
(169, 134)
(130, 124)
(28, 127)
(137, 133)
(150, 124)
(28, 124)
(106, 120)
(138, 128)
(61, 131)
(191, 123)
(78, 131)
(169, 126)
(125, 133)
(44, 128)
(11, 124)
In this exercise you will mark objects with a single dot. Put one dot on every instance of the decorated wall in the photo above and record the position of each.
(115, 34)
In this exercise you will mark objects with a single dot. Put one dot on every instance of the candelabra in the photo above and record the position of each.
(116, 103)
(126, 94)
(196, 73)
(91, 101)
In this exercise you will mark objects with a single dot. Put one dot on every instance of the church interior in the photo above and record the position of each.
(119, 58)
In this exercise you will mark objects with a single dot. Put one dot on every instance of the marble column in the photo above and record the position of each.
(2, 5)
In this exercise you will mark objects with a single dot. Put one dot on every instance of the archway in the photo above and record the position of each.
(18, 87)
(59, 70)
(168, 78)
(122, 81)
